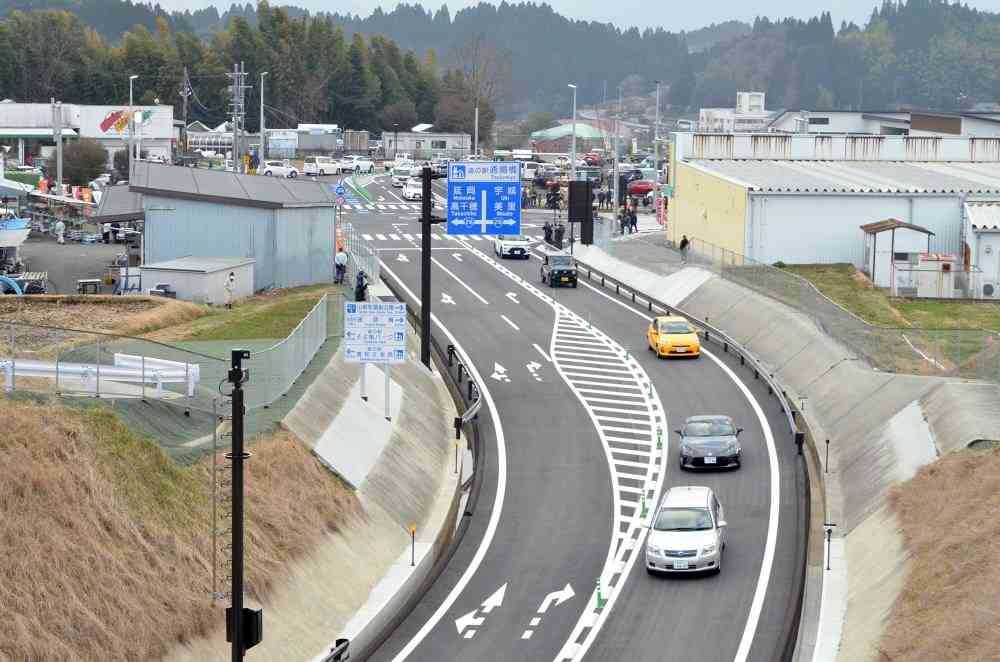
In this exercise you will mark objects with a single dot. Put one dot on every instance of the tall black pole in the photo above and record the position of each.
(236, 610)
(425, 268)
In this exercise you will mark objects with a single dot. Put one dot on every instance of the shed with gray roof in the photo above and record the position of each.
(286, 226)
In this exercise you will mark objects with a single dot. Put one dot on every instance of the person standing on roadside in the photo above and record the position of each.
(633, 221)
(684, 245)
(340, 264)
(60, 232)
(230, 287)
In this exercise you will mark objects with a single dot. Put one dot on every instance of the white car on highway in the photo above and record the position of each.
(511, 245)
(354, 163)
(278, 169)
(413, 189)
(321, 166)
(688, 532)
(401, 173)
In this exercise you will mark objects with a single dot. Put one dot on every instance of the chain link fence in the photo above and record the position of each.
(968, 353)
(361, 255)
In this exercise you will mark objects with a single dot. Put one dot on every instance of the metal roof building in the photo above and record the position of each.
(286, 226)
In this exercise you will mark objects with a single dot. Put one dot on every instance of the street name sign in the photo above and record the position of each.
(374, 332)
(484, 197)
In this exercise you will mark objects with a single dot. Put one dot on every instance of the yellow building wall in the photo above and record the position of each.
(707, 207)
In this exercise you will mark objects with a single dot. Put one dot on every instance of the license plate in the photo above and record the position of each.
(680, 565)
(564, 280)
(710, 460)
(680, 350)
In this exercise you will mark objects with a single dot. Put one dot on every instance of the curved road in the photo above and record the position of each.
(566, 514)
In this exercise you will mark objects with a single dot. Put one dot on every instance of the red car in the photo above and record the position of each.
(595, 160)
(640, 187)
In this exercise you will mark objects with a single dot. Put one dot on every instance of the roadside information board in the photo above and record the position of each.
(374, 332)
(484, 197)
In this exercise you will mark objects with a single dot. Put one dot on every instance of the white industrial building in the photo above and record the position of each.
(887, 122)
(427, 145)
(286, 226)
(749, 114)
(200, 279)
(803, 199)
(31, 124)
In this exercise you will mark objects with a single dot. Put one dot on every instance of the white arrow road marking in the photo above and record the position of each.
(457, 256)
(402, 258)
(494, 600)
(446, 298)
(469, 620)
(558, 597)
(512, 325)
(513, 297)
(499, 373)
(533, 367)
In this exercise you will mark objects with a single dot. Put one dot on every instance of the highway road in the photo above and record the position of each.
(571, 456)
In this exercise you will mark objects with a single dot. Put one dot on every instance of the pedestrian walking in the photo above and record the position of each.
(633, 221)
(60, 232)
(106, 233)
(340, 264)
(684, 245)
(623, 219)
(547, 232)
(230, 287)
(600, 199)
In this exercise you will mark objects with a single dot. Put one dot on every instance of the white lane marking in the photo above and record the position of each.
(407, 236)
(512, 325)
(513, 297)
(457, 256)
(535, 621)
(459, 281)
(402, 258)
(767, 564)
(394, 237)
(447, 298)
(380, 237)
(499, 373)
(498, 499)
(367, 237)
(527, 634)
(533, 367)
(542, 352)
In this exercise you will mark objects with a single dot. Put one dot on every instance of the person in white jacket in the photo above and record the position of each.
(60, 232)
(230, 287)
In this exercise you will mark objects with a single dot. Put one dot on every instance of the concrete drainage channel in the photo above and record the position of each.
(466, 394)
(807, 450)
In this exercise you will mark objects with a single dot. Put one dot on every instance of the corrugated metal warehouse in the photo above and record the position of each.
(286, 226)
(809, 208)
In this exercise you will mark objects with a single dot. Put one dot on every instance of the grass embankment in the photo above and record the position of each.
(949, 609)
(855, 292)
(106, 552)
(273, 314)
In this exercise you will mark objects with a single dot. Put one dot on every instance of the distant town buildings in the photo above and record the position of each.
(749, 114)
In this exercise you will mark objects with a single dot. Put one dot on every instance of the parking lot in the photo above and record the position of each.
(68, 263)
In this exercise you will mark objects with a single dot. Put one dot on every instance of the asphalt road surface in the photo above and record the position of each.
(571, 461)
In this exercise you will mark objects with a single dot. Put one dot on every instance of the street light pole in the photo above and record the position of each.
(131, 124)
(475, 137)
(656, 154)
(395, 140)
(263, 136)
(572, 161)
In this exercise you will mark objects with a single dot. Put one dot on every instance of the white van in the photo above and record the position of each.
(529, 169)
(321, 166)
(400, 174)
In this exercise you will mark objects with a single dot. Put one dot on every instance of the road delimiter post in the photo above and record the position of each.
(425, 268)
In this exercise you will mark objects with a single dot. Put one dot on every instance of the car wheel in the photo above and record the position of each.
(718, 564)
(574, 284)
(267, 173)
(293, 174)
(371, 170)
(322, 173)
(650, 571)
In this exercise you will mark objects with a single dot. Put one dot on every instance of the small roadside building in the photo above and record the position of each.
(891, 243)
(426, 144)
(201, 279)
(286, 226)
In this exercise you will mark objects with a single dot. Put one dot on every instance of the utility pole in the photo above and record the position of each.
(618, 116)
(572, 158)
(131, 125)
(656, 154)
(185, 93)
(57, 137)
(238, 108)
(475, 137)
(263, 136)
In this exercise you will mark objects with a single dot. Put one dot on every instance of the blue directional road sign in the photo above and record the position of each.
(484, 197)
(374, 332)
(340, 190)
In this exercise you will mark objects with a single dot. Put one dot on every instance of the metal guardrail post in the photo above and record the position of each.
(98, 364)
(13, 357)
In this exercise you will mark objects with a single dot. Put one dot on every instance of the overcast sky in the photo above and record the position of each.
(671, 14)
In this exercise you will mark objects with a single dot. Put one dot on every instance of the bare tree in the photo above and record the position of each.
(487, 71)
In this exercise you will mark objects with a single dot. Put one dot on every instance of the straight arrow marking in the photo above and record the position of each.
(494, 600)
(469, 620)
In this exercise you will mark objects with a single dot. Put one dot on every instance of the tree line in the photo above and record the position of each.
(317, 73)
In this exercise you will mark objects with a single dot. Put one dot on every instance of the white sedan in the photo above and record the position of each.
(353, 163)
(278, 169)
(413, 189)
(511, 245)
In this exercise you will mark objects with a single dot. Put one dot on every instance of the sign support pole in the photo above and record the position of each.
(425, 268)
(364, 391)
(388, 417)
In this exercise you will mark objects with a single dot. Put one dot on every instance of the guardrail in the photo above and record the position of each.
(748, 360)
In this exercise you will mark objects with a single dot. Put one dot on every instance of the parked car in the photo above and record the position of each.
(709, 442)
(321, 166)
(511, 245)
(688, 532)
(277, 169)
(413, 189)
(559, 269)
(357, 164)
(672, 335)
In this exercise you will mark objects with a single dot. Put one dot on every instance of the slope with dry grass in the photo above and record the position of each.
(949, 609)
(106, 548)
